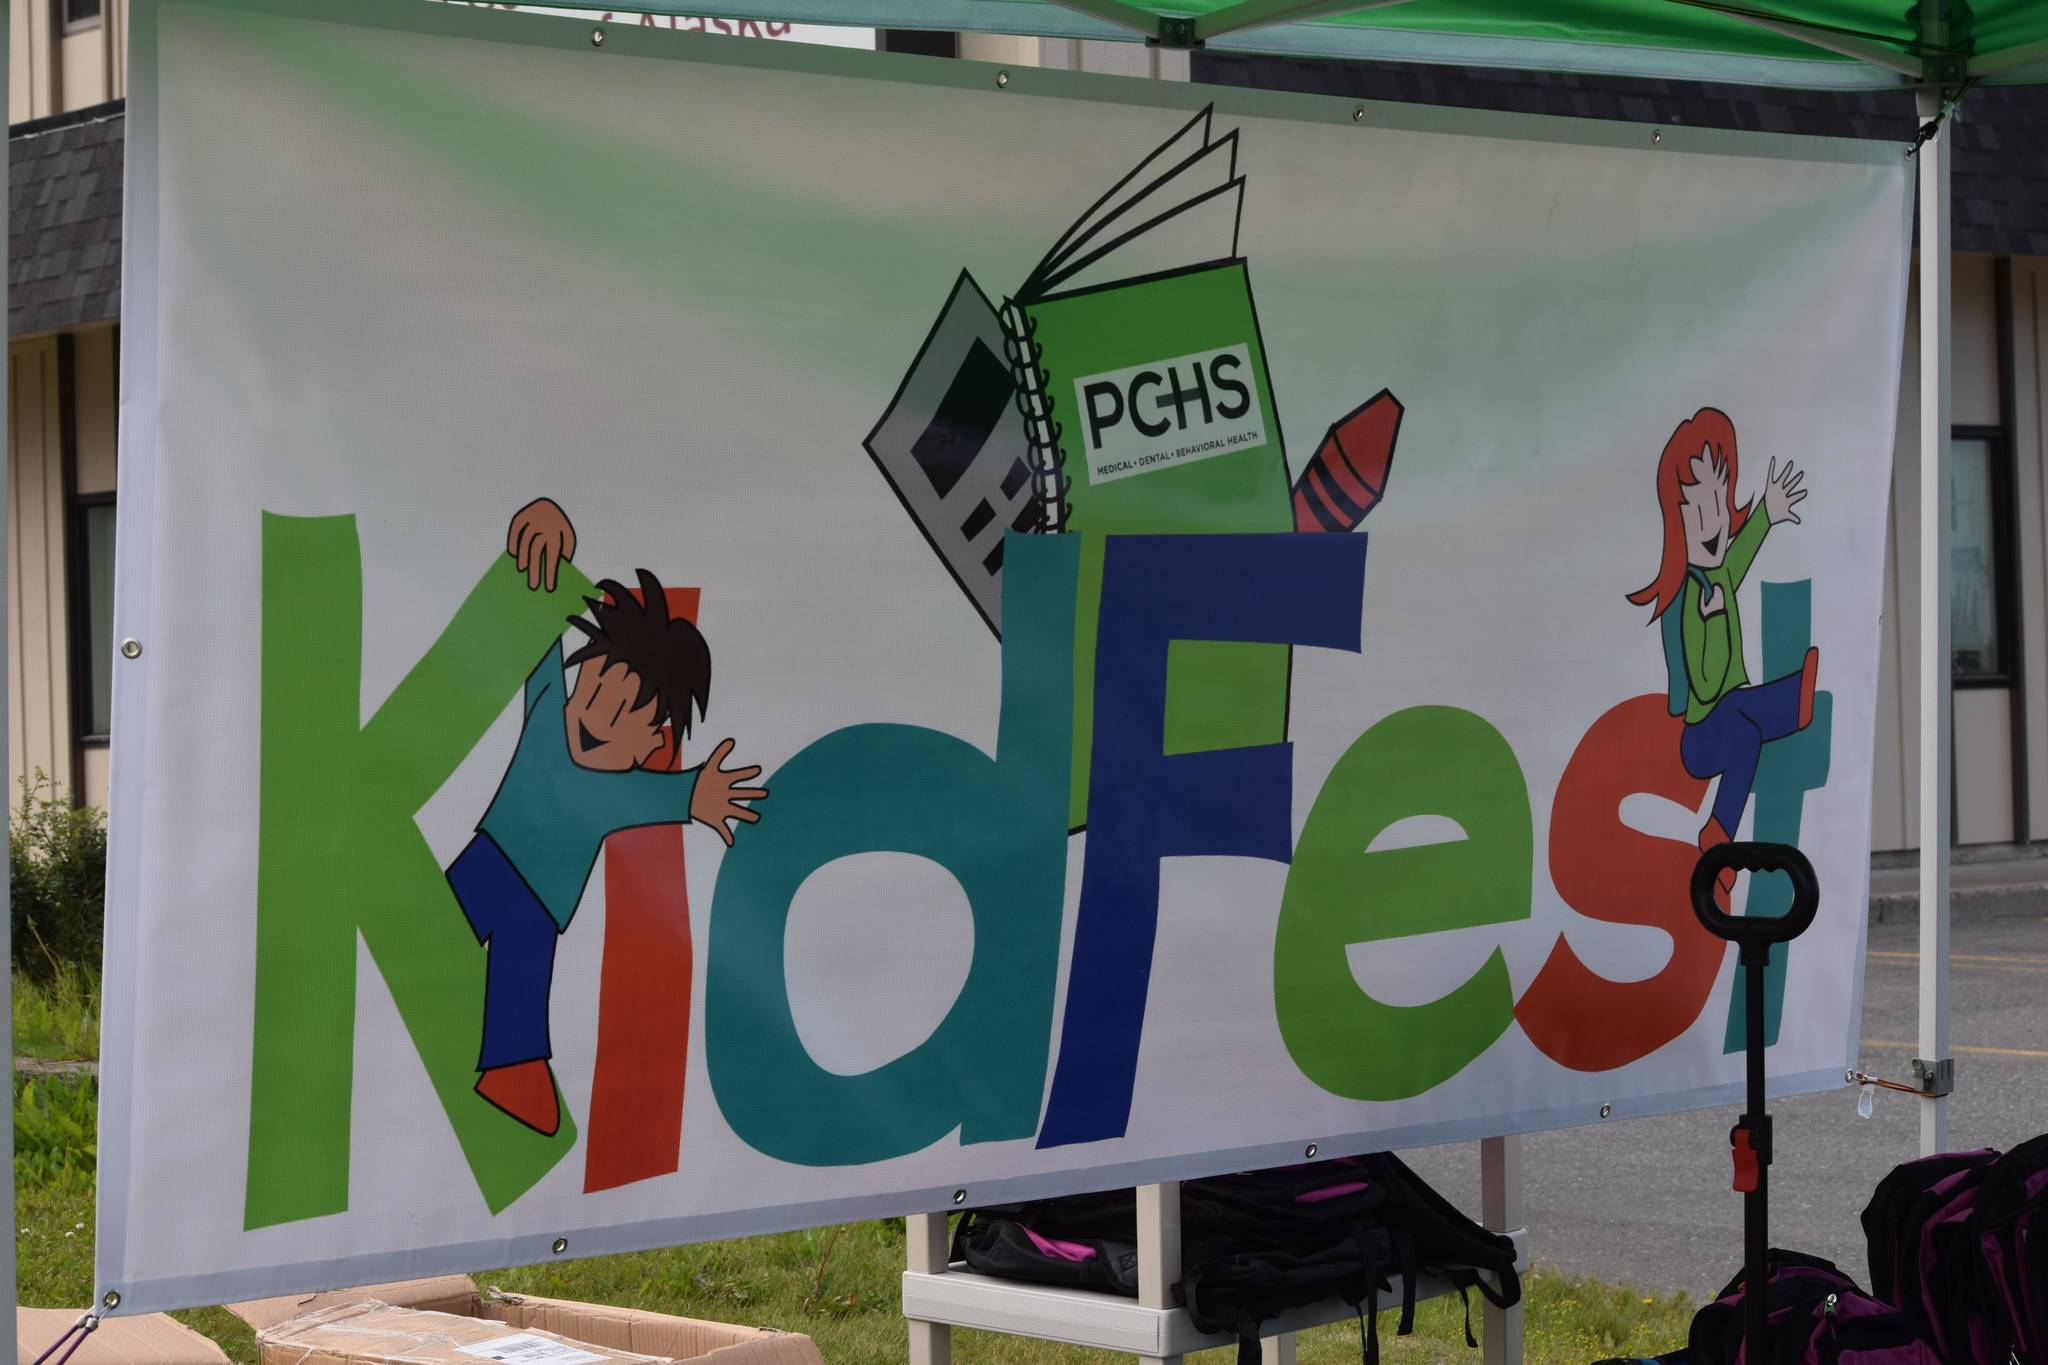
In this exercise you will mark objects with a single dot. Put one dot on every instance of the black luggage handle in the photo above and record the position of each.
(1755, 934)
(1751, 1136)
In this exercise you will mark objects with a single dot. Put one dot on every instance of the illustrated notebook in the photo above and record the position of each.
(1122, 389)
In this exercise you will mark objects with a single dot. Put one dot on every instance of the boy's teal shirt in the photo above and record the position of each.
(1713, 644)
(551, 815)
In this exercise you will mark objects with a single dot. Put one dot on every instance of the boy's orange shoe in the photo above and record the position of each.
(526, 1091)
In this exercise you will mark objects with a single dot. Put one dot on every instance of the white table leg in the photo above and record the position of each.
(1277, 1350)
(1158, 1251)
(1500, 1197)
(931, 1343)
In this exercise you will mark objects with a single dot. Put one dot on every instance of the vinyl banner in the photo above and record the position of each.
(737, 635)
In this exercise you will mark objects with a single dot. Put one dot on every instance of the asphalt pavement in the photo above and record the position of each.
(1647, 1201)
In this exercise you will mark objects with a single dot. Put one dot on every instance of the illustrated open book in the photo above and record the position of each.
(1122, 388)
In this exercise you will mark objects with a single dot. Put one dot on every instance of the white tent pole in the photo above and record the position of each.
(6, 892)
(1936, 752)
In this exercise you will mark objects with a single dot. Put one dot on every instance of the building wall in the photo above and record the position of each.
(51, 71)
(1984, 718)
(42, 730)
(39, 685)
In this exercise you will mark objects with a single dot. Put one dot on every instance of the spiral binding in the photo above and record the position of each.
(1034, 401)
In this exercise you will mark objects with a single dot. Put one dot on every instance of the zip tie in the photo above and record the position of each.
(1941, 115)
(1864, 1078)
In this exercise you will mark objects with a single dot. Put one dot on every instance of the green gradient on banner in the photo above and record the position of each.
(555, 182)
(340, 854)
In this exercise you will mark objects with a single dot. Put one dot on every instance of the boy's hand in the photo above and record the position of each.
(539, 540)
(718, 794)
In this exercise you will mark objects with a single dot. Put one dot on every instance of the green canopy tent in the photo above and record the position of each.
(1825, 44)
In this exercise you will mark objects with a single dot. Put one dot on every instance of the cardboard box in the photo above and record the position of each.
(443, 1294)
(150, 1339)
(449, 1313)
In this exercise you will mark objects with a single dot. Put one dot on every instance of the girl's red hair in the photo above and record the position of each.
(1707, 430)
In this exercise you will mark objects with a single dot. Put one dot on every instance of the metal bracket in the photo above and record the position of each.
(1951, 97)
(1175, 33)
(1936, 1078)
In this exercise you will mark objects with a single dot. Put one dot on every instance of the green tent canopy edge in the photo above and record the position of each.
(1819, 44)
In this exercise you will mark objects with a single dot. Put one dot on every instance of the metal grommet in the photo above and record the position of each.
(1003, 78)
(1657, 135)
(561, 1245)
(1311, 1152)
(1606, 1111)
(959, 1196)
(131, 648)
(1358, 114)
(597, 37)
(111, 1300)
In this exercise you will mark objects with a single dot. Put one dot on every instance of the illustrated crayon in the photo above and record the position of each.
(1347, 476)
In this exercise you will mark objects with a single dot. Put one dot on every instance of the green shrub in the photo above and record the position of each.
(57, 869)
(56, 1132)
(58, 1020)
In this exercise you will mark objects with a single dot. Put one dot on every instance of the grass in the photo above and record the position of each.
(839, 1285)
(60, 1020)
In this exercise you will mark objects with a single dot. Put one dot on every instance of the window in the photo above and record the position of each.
(93, 646)
(77, 14)
(1981, 590)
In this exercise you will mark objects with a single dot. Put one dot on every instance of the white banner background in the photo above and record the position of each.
(422, 268)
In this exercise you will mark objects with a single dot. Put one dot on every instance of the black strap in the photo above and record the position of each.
(1372, 1321)
(1411, 1271)
(1465, 1297)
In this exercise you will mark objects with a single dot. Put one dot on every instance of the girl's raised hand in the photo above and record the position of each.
(1782, 493)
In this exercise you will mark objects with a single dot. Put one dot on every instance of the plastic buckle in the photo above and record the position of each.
(1748, 1160)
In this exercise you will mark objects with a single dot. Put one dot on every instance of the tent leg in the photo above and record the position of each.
(1936, 737)
(931, 1343)
(1500, 1198)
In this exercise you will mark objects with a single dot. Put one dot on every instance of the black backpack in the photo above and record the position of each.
(1257, 1244)
(1816, 1315)
(2008, 1239)
(1432, 1234)
(1895, 1215)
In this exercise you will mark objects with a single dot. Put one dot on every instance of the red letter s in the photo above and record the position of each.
(1608, 872)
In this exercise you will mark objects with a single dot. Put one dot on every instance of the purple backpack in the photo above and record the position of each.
(1899, 1208)
(1816, 1316)
(2008, 1233)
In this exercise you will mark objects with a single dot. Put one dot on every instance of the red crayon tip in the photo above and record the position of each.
(1347, 476)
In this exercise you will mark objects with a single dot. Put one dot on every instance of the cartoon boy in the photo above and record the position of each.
(578, 774)
(1709, 545)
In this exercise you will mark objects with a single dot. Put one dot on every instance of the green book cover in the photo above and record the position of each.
(1122, 389)
(1145, 392)
(1167, 425)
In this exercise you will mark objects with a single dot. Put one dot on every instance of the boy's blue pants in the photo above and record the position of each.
(504, 913)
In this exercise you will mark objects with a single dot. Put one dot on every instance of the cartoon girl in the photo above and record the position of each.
(1709, 545)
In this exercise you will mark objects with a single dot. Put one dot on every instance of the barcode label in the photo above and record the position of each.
(524, 1348)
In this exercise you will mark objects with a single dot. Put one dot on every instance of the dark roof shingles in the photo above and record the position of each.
(2000, 191)
(64, 220)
